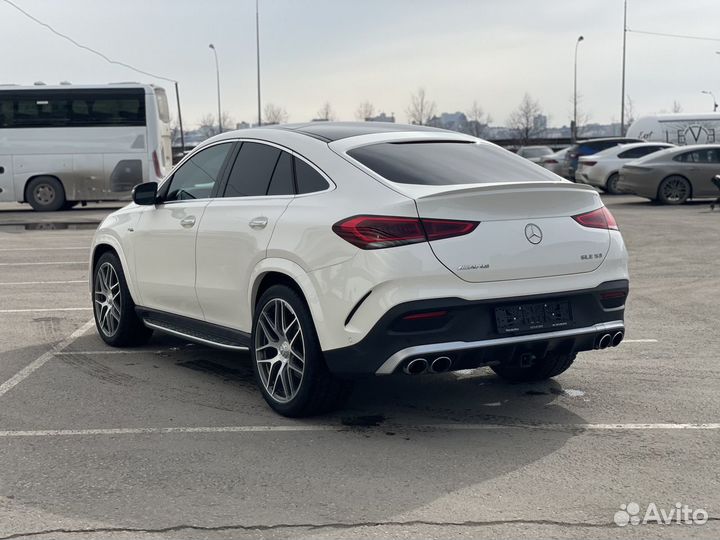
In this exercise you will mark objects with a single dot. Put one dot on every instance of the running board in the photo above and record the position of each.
(195, 330)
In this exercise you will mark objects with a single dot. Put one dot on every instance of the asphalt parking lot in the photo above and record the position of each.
(173, 440)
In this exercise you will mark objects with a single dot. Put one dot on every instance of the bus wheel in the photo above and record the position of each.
(45, 194)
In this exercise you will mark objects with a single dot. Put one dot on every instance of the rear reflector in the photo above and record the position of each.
(597, 219)
(607, 295)
(550, 161)
(425, 315)
(376, 232)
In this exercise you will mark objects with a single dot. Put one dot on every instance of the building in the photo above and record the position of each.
(382, 117)
(456, 121)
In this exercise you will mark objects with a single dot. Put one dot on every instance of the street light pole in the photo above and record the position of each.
(217, 72)
(622, 97)
(257, 48)
(709, 93)
(574, 126)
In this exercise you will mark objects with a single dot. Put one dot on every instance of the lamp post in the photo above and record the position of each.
(217, 72)
(709, 93)
(574, 126)
(257, 51)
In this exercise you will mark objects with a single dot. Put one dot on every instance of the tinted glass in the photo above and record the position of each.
(447, 163)
(68, 108)
(162, 104)
(282, 179)
(308, 179)
(700, 156)
(252, 171)
(197, 177)
(635, 153)
(535, 152)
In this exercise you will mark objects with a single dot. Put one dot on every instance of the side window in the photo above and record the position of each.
(282, 179)
(197, 177)
(308, 179)
(635, 153)
(252, 171)
(713, 156)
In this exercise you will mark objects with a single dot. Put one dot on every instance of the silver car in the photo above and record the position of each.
(535, 153)
(673, 176)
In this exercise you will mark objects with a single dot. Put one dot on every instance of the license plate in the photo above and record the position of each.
(529, 317)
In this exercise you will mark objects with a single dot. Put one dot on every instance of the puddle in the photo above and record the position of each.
(48, 226)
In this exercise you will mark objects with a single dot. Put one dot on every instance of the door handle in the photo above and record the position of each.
(258, 223)
(188, 222)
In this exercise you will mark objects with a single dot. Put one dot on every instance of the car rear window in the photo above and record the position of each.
(443, 163)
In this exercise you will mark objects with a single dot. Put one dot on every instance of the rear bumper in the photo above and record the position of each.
(469, 336)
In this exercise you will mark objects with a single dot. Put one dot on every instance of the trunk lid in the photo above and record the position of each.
(526, 229)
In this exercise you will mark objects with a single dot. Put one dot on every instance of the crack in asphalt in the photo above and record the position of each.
(319, 526)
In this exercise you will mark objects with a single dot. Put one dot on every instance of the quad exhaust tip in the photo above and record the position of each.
(604, 341)
(607, 340)
(440, 364)
(416, 366)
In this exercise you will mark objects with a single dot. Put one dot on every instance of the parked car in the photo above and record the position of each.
(334, 250)
(556, 162)
(675, 175)
(534, 153)
(589, 147)
(601, 169)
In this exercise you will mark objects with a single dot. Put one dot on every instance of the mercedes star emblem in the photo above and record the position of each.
(533, 233)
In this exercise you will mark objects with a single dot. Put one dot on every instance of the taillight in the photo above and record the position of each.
(551, 161)
(156, 164)
(588, 163)
(375, 232)
(597, 219)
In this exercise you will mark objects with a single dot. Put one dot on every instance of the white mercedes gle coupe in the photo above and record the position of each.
(337, 250)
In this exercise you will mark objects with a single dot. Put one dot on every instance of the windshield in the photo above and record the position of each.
(535, 152)
(162, 104)
(447, 163)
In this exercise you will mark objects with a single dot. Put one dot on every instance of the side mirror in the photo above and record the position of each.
(145, 194)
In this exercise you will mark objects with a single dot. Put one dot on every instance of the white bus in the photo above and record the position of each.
(61, 145)
(677, 128)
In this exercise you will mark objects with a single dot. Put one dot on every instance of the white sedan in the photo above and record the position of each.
(556, 162)
(602, 169)
(333, 250)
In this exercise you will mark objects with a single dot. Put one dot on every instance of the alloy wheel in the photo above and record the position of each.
(279, 350)
(675, 189)
(108, 303)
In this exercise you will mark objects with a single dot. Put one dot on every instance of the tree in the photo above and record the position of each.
(477, 120)
(364, 111)
(629, 112)
(676, 107)
(421, 109)
(583, 119)
(207, 126)
(274, 114)
(522, 122)
(326, 112)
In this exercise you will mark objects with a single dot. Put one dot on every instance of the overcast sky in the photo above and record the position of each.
(348, 51)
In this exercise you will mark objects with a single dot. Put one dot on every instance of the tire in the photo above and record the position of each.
(45, 194)
(674, 190)
(287, 360)
(115, 320)
(611, 184)
(546, 368)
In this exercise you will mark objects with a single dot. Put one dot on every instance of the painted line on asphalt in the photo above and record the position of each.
(45, 249)
(639, 340)
(33, 310)
(44, 282)
(36, 364)
(43, 263)
(340, 427)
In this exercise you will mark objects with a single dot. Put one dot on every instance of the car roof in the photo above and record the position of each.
(333, 131)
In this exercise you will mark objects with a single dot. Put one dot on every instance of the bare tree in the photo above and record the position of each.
(364, 111)
(421, 109)
(228, 122)
(677, 107)
(477, 120)
(326, 112)
(208, 126)
(583, 119)
(174, 130)
(629, 112)
(274, 114)
(522, 121)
